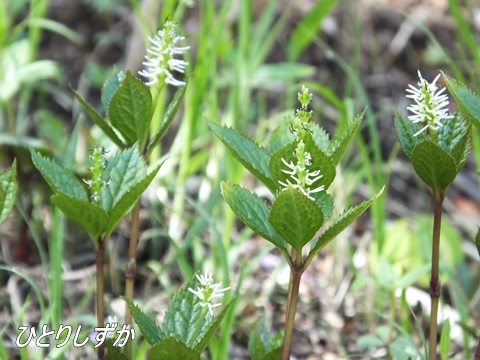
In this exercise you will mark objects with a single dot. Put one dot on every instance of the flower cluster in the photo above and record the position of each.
(429, 106)
(208, 292)
(99, 163)
(161, 56)
(302, 178)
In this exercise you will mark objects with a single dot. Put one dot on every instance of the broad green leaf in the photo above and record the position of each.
(124, 170)
(454, 138)
(110, 87)
(58, 178)
(468, 102)
(169, 116)
(8, 191)
(114, 352)
(129, 110)
(252, 211)
(307, 29)
(172, 349)
(91, 217)
(342, 139)
(405, 131)
(434, 166)
(445, 341)
(208, 330)
(326, 203)
(124, 205)
(295, 217)
(321, 138)
(262, 345)
(99, 121)
(340, 224)
(280, 137)
(320, 161)
(149, 329)
(249, 153)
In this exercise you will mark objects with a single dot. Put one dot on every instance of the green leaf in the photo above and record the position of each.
(172, 349)
(114, 352)
(91, 217)
(468, 102)
(8, 191)
(445, 341)
(405, 131)
(124, 205)
(280, 137)
(295, 217)
(129, 110)
(454, 139)
(434, 166)
(321, 138)
(477, 241)
(168, 116)
(262, 345)
(110, 87)
(149, 329)
(58, 178)
(98, 120)
(209, 328)
(124, 170)
(251, 155)
(343, 138)
(306, 31)
(326, 203)
(252, 211)
(340, 224)
(320, 161)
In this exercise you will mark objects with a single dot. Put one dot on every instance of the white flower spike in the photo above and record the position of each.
(208, 292)
(161, 56)
(429, 107)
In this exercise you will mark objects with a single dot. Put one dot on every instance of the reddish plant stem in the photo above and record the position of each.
(477, 351)
(434, 277)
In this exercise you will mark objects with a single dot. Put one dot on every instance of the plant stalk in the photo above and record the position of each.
(296, 272)
(477, 351)
(100, 293)
(434, 277)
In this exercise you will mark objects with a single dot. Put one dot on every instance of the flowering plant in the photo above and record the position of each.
(298, 168)
(437, 156)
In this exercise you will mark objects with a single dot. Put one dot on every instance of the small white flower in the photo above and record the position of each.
(161, 56)
(208, 292)
(429, 107)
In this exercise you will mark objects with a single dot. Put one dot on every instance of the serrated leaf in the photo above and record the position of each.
(124, 170)
(249, 153)
(340, 224)
(434, 166)
(129, 110)
(468, 102)
(8, 191)
(454, 138)
(295, 217)
(114, 352)
(91, 217)
(343, 138)
(326, 203)
(320, 161)
(110, 87)
(149, 329)
(124, 205)
(172, 349)
(58, 178)
(405, 130)
(321, 138)
(262, 345)
(280, 137)
(168, 116)
(98, 120)
(252, 211)
(209, 328)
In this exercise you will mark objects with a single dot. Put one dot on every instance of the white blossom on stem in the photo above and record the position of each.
(208, 292)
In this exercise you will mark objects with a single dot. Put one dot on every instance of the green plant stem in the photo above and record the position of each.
(435, 278)
(100, 293)
(296, 271)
